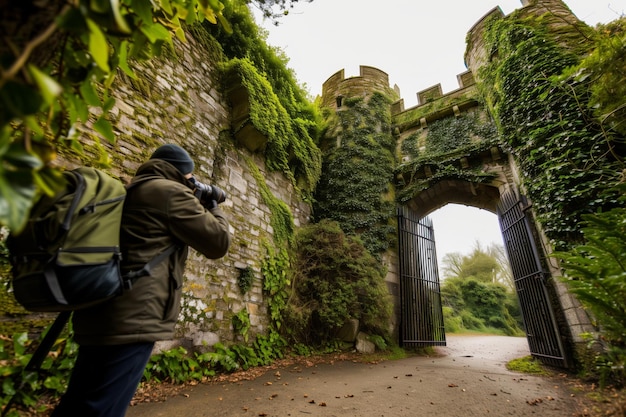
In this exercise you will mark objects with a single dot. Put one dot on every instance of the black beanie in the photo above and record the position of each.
(176, 156)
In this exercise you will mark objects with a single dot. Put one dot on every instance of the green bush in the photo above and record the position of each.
(29, 387)
(479, 305)
(596, 273)
(335, 279)
(452, 322)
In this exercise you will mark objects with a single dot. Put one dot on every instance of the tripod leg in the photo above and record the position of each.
(41, 352)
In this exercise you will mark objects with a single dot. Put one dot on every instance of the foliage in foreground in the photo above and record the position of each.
(57, 65)
(34, 389)
(596, 273)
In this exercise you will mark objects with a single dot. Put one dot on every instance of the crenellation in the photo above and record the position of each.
(429, 94)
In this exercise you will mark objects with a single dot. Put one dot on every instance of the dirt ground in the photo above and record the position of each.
(466, 378)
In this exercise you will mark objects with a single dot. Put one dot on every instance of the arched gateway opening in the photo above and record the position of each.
(446, 149)
(421, 316)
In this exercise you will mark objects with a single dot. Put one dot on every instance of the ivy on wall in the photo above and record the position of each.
(458, 134)
(280, 107)
(567, 164)
(289, 148)
(281, 218)
(447, 141)
(355, 188)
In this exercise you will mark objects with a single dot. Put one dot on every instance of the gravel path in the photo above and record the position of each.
(466, 378)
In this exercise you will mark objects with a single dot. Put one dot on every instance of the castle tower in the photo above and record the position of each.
(371, 79)
(557, 17)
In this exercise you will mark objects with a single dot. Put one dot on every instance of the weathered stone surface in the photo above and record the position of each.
(363, 344)
(349, 331)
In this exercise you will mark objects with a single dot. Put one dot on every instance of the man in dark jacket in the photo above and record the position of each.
(116, 338)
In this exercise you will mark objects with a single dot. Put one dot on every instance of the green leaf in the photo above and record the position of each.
(16, 198)
(123, 60)
(18, 100)
(120, 22)
(98, 46)
(18, 158)
(143, 9)
(167, 7)
(108, 104)
(72, 21)
(156, 32)
(90, 95)
(104, 127)
(48, 87)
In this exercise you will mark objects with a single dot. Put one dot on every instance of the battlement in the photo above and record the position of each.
(370, 79)
(430, 94)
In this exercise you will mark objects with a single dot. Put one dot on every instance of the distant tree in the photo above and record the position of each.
(478, 291)
(485, 264)
(452, 264)
(504, 275)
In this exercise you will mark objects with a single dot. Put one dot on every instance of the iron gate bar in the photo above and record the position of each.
(540, 324)
(421, 316)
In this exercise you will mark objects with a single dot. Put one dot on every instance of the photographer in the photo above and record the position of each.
(165, 208)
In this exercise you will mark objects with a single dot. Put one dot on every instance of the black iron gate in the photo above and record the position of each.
(421, 317)
(530, 281)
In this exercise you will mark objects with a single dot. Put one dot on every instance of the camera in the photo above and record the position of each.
(207, 193)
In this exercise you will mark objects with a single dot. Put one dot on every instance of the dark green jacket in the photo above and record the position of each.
(158, 212)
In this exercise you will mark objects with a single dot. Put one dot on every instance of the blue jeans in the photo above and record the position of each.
(104, 380)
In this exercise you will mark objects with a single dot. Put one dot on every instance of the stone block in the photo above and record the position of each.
(363, 344)
(349, 331)
(164, 345)
(205, 339)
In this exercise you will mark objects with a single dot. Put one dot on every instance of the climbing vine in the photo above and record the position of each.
(279, 107)
(447, 141)
(566, 162)
(355, 188)
(290, 149)
(458, 134)
(281, 218)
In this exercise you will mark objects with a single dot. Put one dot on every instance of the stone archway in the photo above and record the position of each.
(544, 322)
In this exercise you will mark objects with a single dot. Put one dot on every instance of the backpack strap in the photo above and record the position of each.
(132, 276)
(53, 283)
(51, 276)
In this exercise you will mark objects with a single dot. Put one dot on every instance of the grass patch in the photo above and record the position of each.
(527, 365)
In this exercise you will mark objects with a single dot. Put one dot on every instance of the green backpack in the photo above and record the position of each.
(68, 255)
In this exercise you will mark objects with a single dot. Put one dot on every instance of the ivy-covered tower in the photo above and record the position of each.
(356, 186)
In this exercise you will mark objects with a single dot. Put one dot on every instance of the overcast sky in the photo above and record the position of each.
(418, 44)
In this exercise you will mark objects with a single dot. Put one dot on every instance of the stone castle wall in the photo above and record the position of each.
(179, 99)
